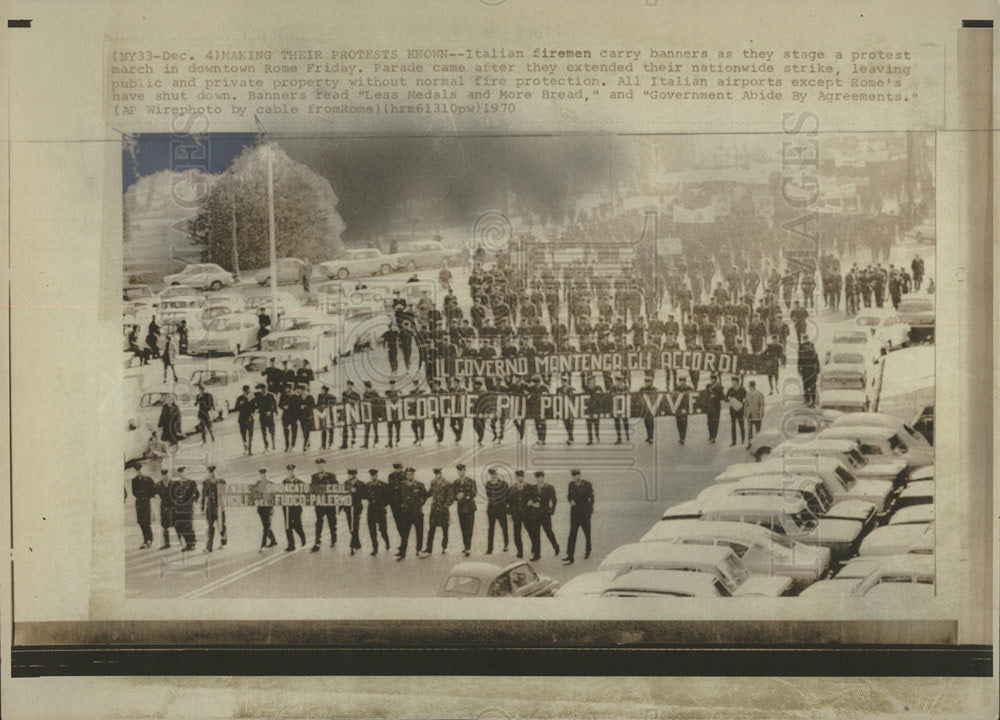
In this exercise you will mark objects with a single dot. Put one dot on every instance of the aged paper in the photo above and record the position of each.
(525, 144)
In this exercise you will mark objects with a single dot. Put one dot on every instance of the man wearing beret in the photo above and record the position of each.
(465, 496)
(581, 506)
(324, 482)
(212, 490)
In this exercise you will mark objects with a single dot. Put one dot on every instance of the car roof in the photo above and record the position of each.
(588, 583)
(841, 369)
(697, 584)
(804, 449)
(755, 504)
(680, 529)
(918, 488)
(922, 513)
(777, 481)
(863, 432)
(473, 568)
(664, 553)
(865, 419)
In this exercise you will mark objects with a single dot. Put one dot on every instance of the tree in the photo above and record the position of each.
(307, 224)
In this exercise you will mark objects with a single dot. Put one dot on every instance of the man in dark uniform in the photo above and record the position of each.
(535, 392)
(324, 481)
(620, 388)
(442, 496)
(350, 395)
(681, 415)
(799, 315)
(391, 338)
(393, 424)
(544, 504)
(370, 395)
(418, 425)
(293, 513)
(169, 423)
(516, 498)
(287, 375)
(378, 499)
(212, 490)
(516, 388)
(262, 492)
(647, 396)
(166, 489)
(274, 376)
(245, 407)
(736, 396)
(305, 375)
(267, 407)
(291, 405)
(324, 402)
(143, 489)
(457, 422)
(567, 391)
(414, 495)
(808, 363)
(396, 479)
(356, 488)
(496, 508)
(596, 403)
(185, 493)
(711, 402)
(580, 496)
(465, 497)
(306, 413)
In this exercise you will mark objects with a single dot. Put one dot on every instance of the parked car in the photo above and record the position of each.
(666, 583)
(788, 516)
(152, 401)
(918, 313)
(138, 300)
(782, 423)
(895, 569)
(885, 326)
(225, 385)
(884, 420)
(209, 313)
(193, 303)
(308, 344)
(205, 276)
(588, 584)
(290, 271)
(713, 560)
(856, 340)
(177, 291)
(423, 254)
(921, 514)
(844, 388)
(875, 480)
(880, 443)
(253, 363)
(913, 538)
(923, 423)
(760, 550)
(358, 263)
(811, 488)
(482, 579)
(232, 334)
(917, 492)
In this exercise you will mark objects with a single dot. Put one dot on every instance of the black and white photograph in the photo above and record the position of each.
(486, 366)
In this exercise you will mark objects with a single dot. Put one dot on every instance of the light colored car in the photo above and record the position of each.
(894, 569)
(874, 419)
(760, 550)
(783, 423)
(232, 334)
(666, 583)
(214, 310)
(193, 303)
(918, 313)
(359, 262)
(786, 515)
(205, 276)
(718, 561)
(309, 344)
(882, 443)
(857, 340)
(225, 385)
(916, 492)
(885, 326)
(289, 271)
(139, 300)
(253, 363)
(844, 388)
(876, 479)
(921, 514)
(588, 584)
(839, 480)
(423, 254)
(481, 579)
(812, 488)
(913, 538)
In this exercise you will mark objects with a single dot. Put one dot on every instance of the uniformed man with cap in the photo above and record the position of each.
(414, 495)
(417, 424)
(378, 498)
(496, 508)
(465, 497)
(567, 391)
(371, 396)
(245, 408)
(356, 488)
(438, 421)
(647, 396)
(681, 414)
(143, 489)
(534, 408)
(185, 493)
(165, 489)
(350, 395)
(396, 479)
(442, 496)
(516, 509)
(262, 494)
(324, 482)
(393, 424)
(212, 491)
(306, 413)
(293, 513)
(267, 408)
(620, 388)
(291, 406)
(580, 496)
(542, 504)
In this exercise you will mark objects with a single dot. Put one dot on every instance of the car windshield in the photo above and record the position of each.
(221, 324)
(849, 359)
(500, 586)
(897, 445)
(851, 339)
(846, 479)
(824, 494)
(841, 381)
(804, 520)
(462, 585)
(154, 399)
(522, 576)
(734, 572)
(858, 460)
(867, 321)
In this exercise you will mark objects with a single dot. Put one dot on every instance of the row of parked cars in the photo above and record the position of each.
(850, 510)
